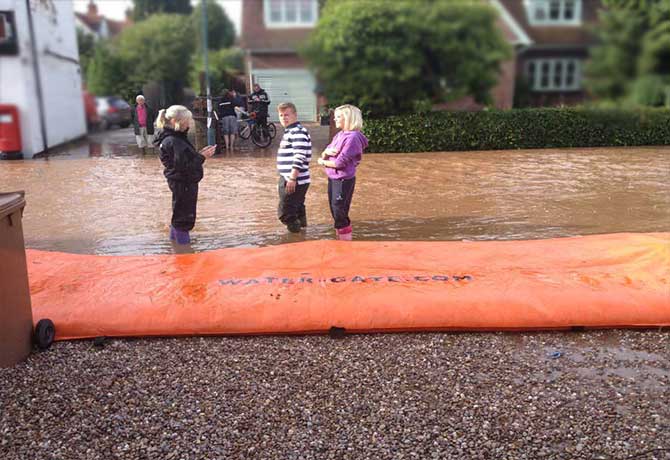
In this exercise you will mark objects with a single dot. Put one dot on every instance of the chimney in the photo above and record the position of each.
(92, 10)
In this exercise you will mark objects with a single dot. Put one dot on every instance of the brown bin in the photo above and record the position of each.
(16, 318)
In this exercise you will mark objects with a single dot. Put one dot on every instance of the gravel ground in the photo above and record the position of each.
(580, 395)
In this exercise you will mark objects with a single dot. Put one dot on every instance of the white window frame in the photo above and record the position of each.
(282, 23)
(532, 6)
(535, 84)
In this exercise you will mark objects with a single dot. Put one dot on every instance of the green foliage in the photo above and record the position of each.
(406, 55)
(86, 45)
(145, 8)
(518, 129)
(650, 90)
(106, 73)
(158, 49)
(655, 57)
(220, 29)
(223, 64)
(634, 43)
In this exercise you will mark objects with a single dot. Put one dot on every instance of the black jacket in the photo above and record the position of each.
(259, 100)
(151, 117)
(182, 163)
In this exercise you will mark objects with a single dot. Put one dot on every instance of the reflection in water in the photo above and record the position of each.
(107, 199)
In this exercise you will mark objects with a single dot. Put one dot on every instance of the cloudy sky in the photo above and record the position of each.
(116, 9)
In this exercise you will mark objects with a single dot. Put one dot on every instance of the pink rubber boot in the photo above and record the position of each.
(344, 234)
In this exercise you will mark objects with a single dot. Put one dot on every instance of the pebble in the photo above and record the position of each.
(377, 396)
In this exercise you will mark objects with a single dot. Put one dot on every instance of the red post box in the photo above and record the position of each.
(10, 132)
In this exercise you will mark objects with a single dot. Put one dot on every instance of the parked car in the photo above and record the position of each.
(113, 111)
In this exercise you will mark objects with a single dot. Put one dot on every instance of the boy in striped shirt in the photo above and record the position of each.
(293, 157)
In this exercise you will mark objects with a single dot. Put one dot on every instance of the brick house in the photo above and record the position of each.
(272, 31)
(550, 39)
(556, 44)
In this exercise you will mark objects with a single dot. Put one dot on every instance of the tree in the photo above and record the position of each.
(632, 59)
(406, 55)
(158, 49)
(145, 8)
(106, 75)
(224, 64)
(86, 45)
(220, 29)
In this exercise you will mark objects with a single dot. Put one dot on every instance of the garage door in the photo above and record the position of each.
(295, 86)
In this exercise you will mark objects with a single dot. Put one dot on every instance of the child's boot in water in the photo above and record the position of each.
(344, 234)
(294, 226)
(182, 236)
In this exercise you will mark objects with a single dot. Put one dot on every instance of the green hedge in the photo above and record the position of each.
(518, 129)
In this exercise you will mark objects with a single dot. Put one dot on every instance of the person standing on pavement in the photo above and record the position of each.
(143, 116)
(293, 157)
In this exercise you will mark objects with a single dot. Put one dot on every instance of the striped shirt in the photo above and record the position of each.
(295, 151)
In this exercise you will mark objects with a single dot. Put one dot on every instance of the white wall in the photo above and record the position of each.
(60, 78)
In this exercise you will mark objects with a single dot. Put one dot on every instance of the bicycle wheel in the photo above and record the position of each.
(272, 129)
(260, 136)
(244, 130)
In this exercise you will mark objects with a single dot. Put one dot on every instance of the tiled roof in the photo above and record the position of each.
(92, 23)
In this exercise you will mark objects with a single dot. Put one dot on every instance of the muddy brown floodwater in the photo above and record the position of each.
(119, 203)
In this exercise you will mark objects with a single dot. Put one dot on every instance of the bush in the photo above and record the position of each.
(518, 129)
(650, 90)
(388, 59)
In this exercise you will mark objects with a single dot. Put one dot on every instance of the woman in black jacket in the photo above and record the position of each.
(183, 168)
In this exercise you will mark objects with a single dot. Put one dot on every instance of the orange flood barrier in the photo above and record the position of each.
(620, 280)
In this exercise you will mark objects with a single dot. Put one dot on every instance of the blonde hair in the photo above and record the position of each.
(285, 106)
(176, 117)
(353, 120)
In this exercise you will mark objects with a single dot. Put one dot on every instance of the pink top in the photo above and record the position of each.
(142, 115)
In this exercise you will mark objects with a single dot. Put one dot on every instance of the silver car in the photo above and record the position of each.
(113, 111)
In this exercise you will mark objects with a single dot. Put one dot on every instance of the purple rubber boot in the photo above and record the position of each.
(182, 236)
(173, 233)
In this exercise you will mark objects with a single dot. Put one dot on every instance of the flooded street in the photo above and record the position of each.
(108, 199)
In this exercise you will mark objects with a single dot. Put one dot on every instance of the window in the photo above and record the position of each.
(8, 40)
(554, 74)
(290, 13)
(554, 12)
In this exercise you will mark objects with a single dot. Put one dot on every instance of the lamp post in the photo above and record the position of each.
(210, 130)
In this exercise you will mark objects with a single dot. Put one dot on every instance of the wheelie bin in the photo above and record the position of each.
(16, 319)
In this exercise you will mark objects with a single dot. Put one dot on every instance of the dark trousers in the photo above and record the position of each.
(340, 192)
(184, 202)
(291, 209)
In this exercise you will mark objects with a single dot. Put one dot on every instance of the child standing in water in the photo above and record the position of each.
(183, 168)
(341, 158)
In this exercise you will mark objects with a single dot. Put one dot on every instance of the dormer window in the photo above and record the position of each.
(554, 12)
(290, 13)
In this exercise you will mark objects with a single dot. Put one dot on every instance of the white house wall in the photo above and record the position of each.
(60, 79)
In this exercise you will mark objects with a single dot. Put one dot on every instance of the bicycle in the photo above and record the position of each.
(261, 134)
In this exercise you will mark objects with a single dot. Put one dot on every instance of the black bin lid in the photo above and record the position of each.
(11, 202)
